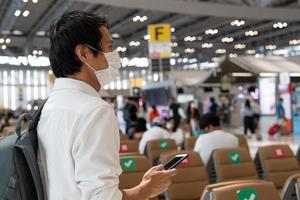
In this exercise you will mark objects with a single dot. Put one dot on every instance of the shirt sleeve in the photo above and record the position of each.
(96, 156)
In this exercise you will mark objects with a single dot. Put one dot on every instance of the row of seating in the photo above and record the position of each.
(192, 180)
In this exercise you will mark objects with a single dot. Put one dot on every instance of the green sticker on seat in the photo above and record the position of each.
(247, 194)
(163, 145)
(235, 157)
(128, 164)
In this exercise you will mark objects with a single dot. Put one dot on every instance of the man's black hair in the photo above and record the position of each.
(209, 119)
(72, 29)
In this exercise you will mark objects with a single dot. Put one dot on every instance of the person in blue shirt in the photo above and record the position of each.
(280, 112)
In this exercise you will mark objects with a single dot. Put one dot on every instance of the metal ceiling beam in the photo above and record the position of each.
(205, 8)
(9, 19)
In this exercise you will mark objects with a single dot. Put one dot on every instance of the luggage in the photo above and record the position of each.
(274, 129)
(20, 178)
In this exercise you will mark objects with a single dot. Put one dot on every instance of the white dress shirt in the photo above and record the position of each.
(218, 139)
(154, 133)
(78, 144)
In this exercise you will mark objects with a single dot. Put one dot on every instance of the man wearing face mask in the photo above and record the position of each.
(78, 133)
(214, 137)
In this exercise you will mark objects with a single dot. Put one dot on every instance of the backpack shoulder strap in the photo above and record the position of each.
(34, 123)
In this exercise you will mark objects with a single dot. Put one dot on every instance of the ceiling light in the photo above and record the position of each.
(35, 1)
(241, 74)
(17, 32)
(190, 38)
(26, 13)
(251, 33)
(146, 37)
(216, 59)
(144, 18)
(1, 40)
(233, 55)
(189, 50)
(207, 45)
(227, 39)
(211, 31)
(136, 18)
(17, 13)
(174, 44)
(240, 46)
(294, 42)
(122, 49)
(41, 33)
(268, 74)
(172, 29)
(115, 35)
(250, 51)
(40, 52)
(134, 43)
(270, 47)
(220, 51)
(173, 54)
(34, 52)
(294, 74)
(8, 40)
(280, 25)
(237, 23)
(25, 1)
(3, 46)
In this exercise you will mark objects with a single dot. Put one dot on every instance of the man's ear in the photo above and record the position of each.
(82, 52)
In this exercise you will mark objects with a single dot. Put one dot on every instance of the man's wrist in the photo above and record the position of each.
(144, 193)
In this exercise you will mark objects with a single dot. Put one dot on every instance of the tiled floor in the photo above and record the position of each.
(265, 123)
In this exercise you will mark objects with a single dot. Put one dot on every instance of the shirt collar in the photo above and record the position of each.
(69, 83)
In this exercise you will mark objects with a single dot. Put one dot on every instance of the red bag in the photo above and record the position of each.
(274, 129)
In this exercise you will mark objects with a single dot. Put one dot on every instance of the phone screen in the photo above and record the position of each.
(175, 161)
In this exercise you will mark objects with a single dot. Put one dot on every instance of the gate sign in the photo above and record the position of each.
(160, 41)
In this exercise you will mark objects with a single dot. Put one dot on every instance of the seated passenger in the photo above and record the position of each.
(156, 132)
(214, 137)
(175, 131)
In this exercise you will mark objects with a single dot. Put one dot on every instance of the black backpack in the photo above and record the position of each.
(19, 173)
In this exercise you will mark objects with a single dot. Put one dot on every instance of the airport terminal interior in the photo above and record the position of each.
(190, 70)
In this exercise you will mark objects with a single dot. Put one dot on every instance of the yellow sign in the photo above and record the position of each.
(160, 32)
(136, 82)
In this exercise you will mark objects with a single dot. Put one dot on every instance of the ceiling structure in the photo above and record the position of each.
(205, 30)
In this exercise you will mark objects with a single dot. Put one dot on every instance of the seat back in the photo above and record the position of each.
(242, 140)
(129, 146)
(123, 136)
(191, 178)
(277, 163)
(290, 190)
(234, 164)
(189, 143)
(254, 190)
(155, 147)
(134, 168)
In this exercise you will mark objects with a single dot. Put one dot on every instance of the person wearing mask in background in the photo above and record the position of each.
(248, 118)
(213, 106)
(153, 114)
(176, 132)
(157, 131)
(193, 118)
(78, 136)
(214, 137)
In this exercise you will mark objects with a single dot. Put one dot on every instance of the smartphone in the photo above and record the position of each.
(171, 164)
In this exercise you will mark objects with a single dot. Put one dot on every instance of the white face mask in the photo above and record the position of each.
(105, 76)
(169, 126)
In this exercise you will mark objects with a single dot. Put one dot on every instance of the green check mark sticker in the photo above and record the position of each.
(235, 157)
(128, 164)
(247, 194)
(163, 145)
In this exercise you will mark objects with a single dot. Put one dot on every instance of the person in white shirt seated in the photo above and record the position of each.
(156, 132)
(214, 137)
(175, 131)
